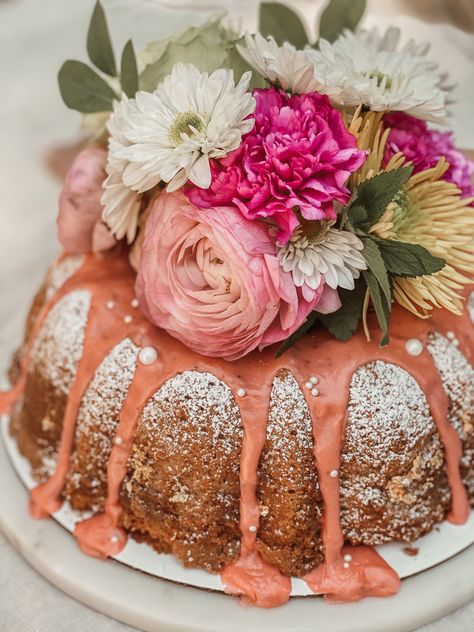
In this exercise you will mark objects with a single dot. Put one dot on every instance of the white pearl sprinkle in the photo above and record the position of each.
(456, 342)
(451, 335)
(127, 319)
(110, 305)
(334, 473)
(115, 539)
(347, 558)
(148, 355)
(309, 385)
(252, 528)
(314, 392)
(134, 303)
(414, 346)
(241, 392)
(118, 440)
(346, 564)
(314, 379)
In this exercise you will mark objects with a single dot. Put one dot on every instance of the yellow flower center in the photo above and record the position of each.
(186, 123)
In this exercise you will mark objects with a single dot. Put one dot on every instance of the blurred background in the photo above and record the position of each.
(36, 130)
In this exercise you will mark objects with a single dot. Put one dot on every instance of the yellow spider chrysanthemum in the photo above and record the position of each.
(428, 212)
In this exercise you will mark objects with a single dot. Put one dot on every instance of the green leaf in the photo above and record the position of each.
(381, 304)
(283, 24)
(344, 323)
(205, 46)
(83, 89)
(359, 217)
(408, 260)
(299, 333)
(99, 46)
(376, 265)
(376, 193)
(129, 71)
(340, 15)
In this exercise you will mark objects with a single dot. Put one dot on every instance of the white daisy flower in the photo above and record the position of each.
(121, 204)
(284, 66)
(172, 133)
(331, 256)
(372, 70)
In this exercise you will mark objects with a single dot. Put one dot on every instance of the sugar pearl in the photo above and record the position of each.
(309, 385)
(314, 392)
(241, 392)
(347, 558)
(110, 305)
(314, 379)
(346, 564)
(414, 346)
(456, 342)
(252, 528)
(334, 473)
(118, 440)
(134, 303)
(148, 355)
(451, 335)
(127, 319)
(115, 539)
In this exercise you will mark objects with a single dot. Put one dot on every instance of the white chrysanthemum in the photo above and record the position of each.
(121, 204)
(372, 70)
(284, 66)
(333, 256)
(171, 133)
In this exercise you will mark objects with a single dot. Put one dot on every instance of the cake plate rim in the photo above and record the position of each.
(155, 605)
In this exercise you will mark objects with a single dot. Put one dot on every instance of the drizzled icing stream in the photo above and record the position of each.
(250, 379)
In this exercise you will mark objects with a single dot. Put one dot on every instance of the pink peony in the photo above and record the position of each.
(211, 278)
(80, 227)
(424, 147)
(298, 156)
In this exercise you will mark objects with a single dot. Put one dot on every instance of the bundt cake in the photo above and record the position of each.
(270, 191)
(258, 469)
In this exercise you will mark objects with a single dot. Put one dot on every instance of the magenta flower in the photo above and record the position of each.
(424, 147)
(298, 157)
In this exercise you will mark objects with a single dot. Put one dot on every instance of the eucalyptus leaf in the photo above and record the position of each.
(299, 333)
(381, 304)
(376, 265)
(83, 89)
(408, 260)
(99, 45)
(340, 15)
(376, 193)
(129, 70)
(283, 24)
(344, 323)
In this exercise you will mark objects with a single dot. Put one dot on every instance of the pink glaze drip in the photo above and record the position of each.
(250, 575)
(257, 581)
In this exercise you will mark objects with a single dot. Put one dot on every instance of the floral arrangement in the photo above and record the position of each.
(265, 185)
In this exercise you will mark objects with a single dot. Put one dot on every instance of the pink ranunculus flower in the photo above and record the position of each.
(424, 147)
(211, 278)
(80, 227)
(298, 157)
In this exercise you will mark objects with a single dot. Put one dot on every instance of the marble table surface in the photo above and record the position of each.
(35, 37)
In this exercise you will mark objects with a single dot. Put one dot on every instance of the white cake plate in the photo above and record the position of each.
(155, 605)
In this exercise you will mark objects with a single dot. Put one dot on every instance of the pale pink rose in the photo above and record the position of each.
(211, 278)
(80, 227)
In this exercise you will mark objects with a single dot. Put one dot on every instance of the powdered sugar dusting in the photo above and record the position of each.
(98, 419)
(60, 342)
(457, 376)
(60, 272)
(288, 407)
(392, 473)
